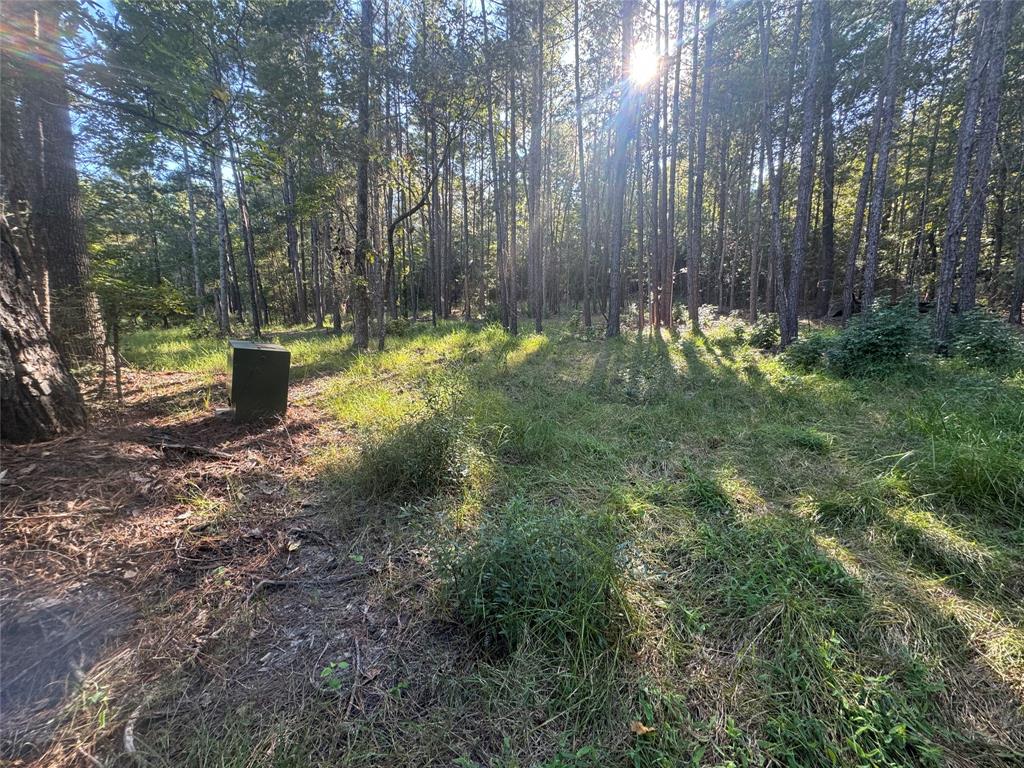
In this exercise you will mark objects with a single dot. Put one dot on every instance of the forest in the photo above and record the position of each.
(655, 383)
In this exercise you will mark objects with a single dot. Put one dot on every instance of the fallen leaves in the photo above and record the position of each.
(640, 729)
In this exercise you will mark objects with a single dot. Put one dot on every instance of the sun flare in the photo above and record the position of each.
(643, 64)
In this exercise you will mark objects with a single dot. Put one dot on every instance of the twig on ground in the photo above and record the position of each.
(355, 680)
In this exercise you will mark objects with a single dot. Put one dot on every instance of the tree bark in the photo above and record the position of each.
(828, 176)
(535, 267)
(360, 284)
(57, 210)
(987, 19)
(39, 396)
(197, 280)
(696, 203)
(984, 143)
(291, 235)
(805, 177)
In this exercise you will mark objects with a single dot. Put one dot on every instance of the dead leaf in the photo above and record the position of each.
(640, 729)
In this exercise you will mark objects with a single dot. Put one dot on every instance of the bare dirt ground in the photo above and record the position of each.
(169, 561)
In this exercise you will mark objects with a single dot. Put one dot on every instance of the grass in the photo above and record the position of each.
(663, 551)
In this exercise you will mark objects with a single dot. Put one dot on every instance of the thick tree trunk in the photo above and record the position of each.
(40, 399)
(890, 91)
(57, 210)
(18, 174)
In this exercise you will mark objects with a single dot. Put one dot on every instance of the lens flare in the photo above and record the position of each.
(643, 64)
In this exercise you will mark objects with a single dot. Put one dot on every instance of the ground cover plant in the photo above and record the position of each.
(548, 550)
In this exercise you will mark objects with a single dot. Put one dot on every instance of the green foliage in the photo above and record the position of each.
(397, 326)
(765, 333)
(878, 343)
(123, 297)
(547, 576)
(983, 339)
(420, 458)
(808, 352)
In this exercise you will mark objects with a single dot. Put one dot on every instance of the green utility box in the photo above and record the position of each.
(258, 379)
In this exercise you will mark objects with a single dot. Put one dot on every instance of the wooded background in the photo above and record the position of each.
(257, 162)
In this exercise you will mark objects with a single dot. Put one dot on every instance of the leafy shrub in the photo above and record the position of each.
(878, 343)
(808, 352)
(398, 326)
(545, 575)
(765, 333)
(982, 338)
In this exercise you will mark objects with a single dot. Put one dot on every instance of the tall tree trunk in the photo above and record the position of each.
(40, 398)
(669, 263)
(18, 174)
(890, 90)
(988, 15)
(776, 273)
(984, 143)
(197, 280)
(360, 283)
(57, 209)
(696, 204)
(850, 272)
(918, 256)
(723, 194)
(620, 159)
(805, 177)
(497, 179)
(247, 239)
(755, 240)
(581, 159)
(534, 265)
(223, 242)
(828, 175)
(292, 237)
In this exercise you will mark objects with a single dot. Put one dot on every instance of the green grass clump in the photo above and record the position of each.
(547, 577)
(419, 458)
(970, 448)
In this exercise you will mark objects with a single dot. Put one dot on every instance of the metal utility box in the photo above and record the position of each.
(258, 379)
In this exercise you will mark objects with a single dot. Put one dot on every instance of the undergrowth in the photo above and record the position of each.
(669, 551)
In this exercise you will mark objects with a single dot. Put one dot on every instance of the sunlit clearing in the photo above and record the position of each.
(643, 64)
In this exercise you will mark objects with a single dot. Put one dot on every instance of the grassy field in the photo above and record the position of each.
(671, 551)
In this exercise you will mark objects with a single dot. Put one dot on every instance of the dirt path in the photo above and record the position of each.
(134, 556)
